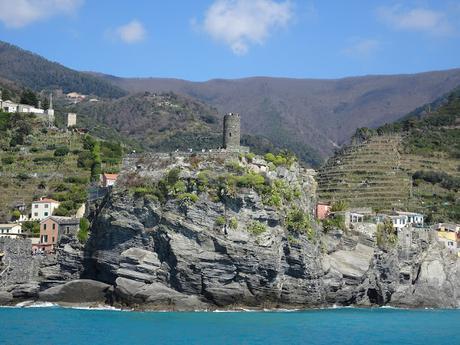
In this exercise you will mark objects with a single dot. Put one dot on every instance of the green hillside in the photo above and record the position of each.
(37, 161)
(412, 164)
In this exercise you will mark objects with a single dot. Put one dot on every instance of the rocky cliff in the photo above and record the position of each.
(218, 230)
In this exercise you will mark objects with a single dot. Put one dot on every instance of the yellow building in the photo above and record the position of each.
(449, 235)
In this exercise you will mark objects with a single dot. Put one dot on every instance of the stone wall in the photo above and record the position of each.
(18, 265)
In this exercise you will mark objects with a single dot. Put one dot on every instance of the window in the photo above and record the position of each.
(44, 226)
(46, 205)
(54, 226)
(46, 214)
(52, 239)
(36, 214)
(35, 206)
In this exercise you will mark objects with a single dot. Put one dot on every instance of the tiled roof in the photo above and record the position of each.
(111, 176)
(63, 220)
(46, 200)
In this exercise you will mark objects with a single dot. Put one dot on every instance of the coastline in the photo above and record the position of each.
(229, 309)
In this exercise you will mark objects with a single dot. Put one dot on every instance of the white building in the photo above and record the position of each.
(11, 230)
(11, 107)
(71, 120)
(43, 208)
(399, 221)
(413, 218)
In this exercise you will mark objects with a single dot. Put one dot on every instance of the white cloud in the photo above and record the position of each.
(416, 19)
(133, 32)
(20, 13)
(362, 48)
(240, 23)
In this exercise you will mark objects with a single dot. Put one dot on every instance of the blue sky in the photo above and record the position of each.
(205, 39)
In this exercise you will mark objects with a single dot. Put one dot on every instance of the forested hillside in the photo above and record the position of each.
(311, 117)
(34, 72)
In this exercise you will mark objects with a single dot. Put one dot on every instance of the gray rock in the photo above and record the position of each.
(77, 291)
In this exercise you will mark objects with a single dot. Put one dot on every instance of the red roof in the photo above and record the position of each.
(46, 200)
(111, 176)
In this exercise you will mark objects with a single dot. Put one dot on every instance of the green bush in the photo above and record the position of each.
(256, 228)
(339, 206)
(233, 224)
(188, 198)
(83, 232)
(336, 222)
(281, 159)
(220, 221)
(15, 215)
(299, 222)
(8, 160)
(61, 151)
(31, 227)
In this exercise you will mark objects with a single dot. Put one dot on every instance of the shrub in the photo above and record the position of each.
(233, 224)
(220, 221)
(202, 181)
(250, 157)
(31, 227)
(281, 159)
(173, 176)
(385, 234)
(65, 208)
(76, 180)
(61, 151)
(256, 228)
(15, 215)
(83, 231)
(298, 221)
(142, 191)
(339, 206)
(22, 176)
(334, 223)
(188, 198)
(8, 160)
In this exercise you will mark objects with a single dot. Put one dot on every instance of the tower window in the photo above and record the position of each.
(230, 134)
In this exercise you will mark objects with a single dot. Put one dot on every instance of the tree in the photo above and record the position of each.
(83, 232)
(31, 227)
(29, 97)
(15, 215)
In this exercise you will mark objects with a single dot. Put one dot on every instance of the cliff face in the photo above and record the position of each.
(173, 255)
(210, 231)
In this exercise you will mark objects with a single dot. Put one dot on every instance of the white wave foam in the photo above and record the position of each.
(34, 304)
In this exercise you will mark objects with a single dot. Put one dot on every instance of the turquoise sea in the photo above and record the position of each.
(331, 326)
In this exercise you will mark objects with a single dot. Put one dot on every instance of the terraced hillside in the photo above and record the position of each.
(413, 164)
(37, 161)
(367, 174)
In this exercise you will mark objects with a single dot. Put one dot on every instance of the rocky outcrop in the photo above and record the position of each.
(77, 291)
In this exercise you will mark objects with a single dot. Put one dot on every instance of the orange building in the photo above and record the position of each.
(52, 229)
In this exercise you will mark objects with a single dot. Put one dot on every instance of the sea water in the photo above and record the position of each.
(331, 326)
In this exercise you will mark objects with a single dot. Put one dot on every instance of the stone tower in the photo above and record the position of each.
(71, 120)
(231, 131)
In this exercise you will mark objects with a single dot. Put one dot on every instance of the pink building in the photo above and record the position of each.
(108, 180)
(322, 210)
(52, 229)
